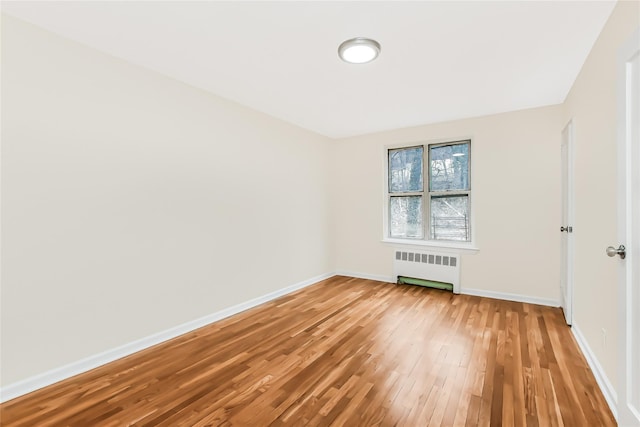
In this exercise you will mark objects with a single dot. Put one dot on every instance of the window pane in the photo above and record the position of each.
(449, 167)
(450, 218)
(405, 169)
(406, 217)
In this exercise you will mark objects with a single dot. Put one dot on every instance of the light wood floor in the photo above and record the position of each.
(347, 352)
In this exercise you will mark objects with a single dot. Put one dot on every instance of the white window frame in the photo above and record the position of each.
(457, 246)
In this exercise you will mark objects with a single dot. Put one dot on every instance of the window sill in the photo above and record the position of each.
(465, 248)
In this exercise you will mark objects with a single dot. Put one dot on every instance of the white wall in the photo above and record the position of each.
(592, 105)
(516, 192)
(132, 203)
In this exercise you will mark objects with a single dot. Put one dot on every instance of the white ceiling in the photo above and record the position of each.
(439, 61)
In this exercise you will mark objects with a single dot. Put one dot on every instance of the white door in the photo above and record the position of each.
(566, 222)
(629, 232)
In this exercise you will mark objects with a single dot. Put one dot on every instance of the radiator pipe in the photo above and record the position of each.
(402, 280)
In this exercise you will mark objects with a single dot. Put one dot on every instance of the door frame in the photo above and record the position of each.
(568, 270)
(626, 413)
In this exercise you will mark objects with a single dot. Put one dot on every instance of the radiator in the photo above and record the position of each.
(428, 265)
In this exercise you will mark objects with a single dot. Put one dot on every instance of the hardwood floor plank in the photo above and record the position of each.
(344, 352)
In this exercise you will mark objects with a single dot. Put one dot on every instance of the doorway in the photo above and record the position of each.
(629, 231)
(566, 221)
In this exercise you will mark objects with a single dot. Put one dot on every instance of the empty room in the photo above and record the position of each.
(320, 213)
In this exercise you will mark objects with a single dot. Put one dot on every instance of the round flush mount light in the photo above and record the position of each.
(359, 50)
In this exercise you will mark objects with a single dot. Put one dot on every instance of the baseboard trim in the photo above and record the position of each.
(365, 276)
(466, 291)
(61, 373)
(609, 392)
(67, 371)
(510, 297)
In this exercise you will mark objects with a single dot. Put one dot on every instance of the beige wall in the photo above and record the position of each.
(132, 203)
(516, 193)
(592, 106)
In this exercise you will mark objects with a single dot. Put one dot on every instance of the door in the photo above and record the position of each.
(566, 221)
(629, 232)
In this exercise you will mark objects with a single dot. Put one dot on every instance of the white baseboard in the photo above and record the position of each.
(58, 374)
(510, 297)
(366, 276)
(610, 394)
(467, 291)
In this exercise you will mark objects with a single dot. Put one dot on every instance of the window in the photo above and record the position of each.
(429, 192)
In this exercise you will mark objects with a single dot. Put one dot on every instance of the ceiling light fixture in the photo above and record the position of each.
(359, 50)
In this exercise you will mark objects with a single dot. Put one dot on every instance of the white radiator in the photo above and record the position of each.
(427, 265)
